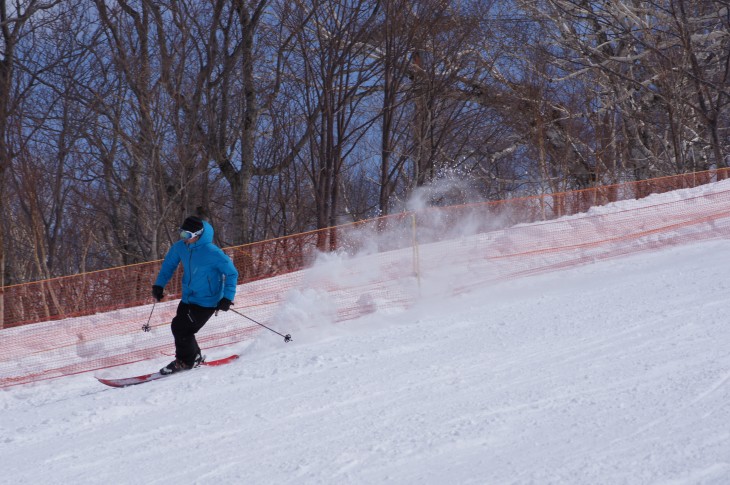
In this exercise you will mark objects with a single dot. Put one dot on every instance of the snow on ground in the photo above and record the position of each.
(612, 372)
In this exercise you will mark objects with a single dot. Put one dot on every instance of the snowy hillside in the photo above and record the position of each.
(615, 371)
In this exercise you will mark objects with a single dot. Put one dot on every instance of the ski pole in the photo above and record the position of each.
(146, 326)
(287, 337)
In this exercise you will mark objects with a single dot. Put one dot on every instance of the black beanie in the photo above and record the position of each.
(192, 224)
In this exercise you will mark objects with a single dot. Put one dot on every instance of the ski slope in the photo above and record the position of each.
(616, 371)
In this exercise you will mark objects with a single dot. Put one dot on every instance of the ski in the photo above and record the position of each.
(133, 381)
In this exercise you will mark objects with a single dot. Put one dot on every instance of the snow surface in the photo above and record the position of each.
(609, 373)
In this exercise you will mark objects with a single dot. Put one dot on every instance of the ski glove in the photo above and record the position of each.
(157, 293)
(224, 304)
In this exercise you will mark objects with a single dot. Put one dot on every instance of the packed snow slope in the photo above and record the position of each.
(612, 372)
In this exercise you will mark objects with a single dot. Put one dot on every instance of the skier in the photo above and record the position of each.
(208, 285)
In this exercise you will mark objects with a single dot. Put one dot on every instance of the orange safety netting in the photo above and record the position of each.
(93, 321)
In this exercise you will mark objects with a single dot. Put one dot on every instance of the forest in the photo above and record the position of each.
(118, 118)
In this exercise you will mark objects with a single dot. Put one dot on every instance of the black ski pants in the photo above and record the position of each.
(188, 320)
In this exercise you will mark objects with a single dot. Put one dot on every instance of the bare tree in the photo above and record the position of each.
(703, 39)
(224, 90)
(126, 135)
(338, 76)
(16, 25)
(641, 59)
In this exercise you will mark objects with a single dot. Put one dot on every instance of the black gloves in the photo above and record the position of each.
(224, 304)
(157, 293)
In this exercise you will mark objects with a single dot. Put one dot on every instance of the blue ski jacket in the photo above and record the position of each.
(208, 273)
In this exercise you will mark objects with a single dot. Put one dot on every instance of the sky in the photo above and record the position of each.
(613, 371)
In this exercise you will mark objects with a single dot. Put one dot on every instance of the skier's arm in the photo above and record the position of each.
(169, 265)
(230, 272)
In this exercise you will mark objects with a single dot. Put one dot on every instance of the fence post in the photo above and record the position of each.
(416, 261)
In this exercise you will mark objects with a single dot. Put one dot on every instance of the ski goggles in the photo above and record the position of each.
(185, 235)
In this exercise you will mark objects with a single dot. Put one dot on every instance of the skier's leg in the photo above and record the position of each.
(189, 319)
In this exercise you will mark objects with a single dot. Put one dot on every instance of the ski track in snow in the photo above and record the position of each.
(614, 372)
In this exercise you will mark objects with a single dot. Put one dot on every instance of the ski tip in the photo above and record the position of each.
(223, 361)
(109, 382)
(130, 381)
